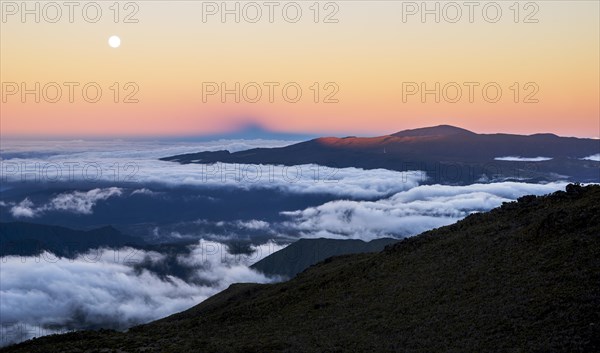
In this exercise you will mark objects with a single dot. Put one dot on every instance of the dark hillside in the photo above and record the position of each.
(300, 255)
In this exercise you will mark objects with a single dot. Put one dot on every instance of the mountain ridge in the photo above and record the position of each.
(30, 239)
(450, 154)
(306, 252)
(439, 130)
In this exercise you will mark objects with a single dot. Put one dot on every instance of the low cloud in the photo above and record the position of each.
(78, 202)
(253, 224)
(301, 179)
(595, 158)
(24, 209)
(145, 191)
(145, 169)
(522, 159)
(82, 202)
(112, 288)
(409, 212)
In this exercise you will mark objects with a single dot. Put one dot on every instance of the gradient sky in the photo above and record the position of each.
(368, 54)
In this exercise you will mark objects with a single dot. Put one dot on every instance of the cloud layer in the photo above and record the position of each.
(595, 158)
(78, 202)
(119, 162)
(105, 288)
(117, 289)
(523, 159)
(409, 212)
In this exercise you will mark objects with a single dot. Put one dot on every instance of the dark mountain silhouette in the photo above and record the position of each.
(447, 154)
(441, 130)
(28, 239)
(520, 278)
(300, 255)
(250, 131)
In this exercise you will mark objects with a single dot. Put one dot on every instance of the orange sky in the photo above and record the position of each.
(365, 62)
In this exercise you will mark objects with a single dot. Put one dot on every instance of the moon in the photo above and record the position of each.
(114, 41)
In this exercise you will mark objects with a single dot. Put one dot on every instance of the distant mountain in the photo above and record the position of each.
(520, 278)
(250, 132)
(28, 239)
(440, 130)
(304, 253)
(448, 155)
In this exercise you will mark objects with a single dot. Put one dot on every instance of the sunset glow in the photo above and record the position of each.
(162, 79)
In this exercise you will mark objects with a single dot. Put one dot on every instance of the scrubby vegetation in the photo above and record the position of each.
(524, 277)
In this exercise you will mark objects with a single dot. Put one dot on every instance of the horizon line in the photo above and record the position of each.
(256, 128)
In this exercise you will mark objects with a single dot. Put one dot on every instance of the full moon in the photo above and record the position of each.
(114, 41)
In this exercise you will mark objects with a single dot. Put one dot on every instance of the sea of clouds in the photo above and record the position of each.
(104, 288)
(408, 212)
(44, 294)
(139, 163)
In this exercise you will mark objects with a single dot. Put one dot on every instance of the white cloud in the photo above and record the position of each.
(121, 163)
(79, 202)
(144, 191)
(82, 202)
(253, 224)
(102, 288)
(523, 159)
(409, 212)
(125, 149)
(24, 209)
(309, 178)
(595, 158)
(231, 268)
(259, 252)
